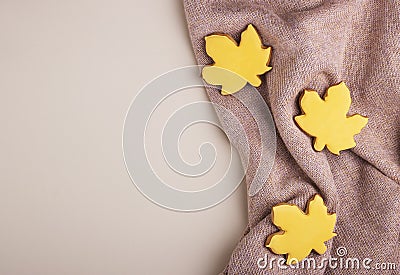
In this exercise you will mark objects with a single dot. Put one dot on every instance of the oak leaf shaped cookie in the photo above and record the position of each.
(326, 119)
(301, 232)
(235, 65)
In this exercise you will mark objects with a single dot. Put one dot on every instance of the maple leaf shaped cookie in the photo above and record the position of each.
(235, 65)
(301, 232)
(326, 119)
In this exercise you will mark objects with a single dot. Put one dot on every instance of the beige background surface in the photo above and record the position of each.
(68, 72)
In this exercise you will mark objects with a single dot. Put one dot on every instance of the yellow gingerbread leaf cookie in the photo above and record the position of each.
(326, 119)
(301, 232)
(235, 65)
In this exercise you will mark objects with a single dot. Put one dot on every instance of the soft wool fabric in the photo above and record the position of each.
(317, 44)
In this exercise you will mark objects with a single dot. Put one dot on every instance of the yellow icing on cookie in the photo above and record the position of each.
(235, 65)
(326, 119)
(301, 232)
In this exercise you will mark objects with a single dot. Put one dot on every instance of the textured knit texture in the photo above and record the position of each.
(317, 44)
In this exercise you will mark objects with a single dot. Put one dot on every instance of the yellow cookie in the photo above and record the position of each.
(301, 232)
(235, 65)
(326, 119)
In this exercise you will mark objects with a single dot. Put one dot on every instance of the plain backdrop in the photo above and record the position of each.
(68, 72)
